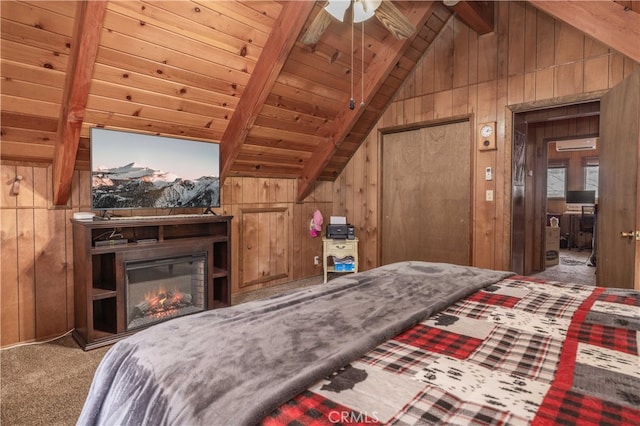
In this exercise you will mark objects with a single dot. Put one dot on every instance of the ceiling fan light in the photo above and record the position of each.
(364, 9)
(337, 8)
(450, 3)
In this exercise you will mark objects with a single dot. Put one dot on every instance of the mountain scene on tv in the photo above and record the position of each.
(138, 186)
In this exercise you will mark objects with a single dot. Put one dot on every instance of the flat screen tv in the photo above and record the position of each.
(581, 197)
(139, 171)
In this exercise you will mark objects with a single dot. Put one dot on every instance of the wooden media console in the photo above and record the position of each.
(105, 250)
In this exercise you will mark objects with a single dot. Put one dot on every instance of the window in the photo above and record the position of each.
(556, 180)
(591, 174)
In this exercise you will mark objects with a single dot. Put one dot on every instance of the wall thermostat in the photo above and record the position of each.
(487, 136)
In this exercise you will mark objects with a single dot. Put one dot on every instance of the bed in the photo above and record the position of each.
(406, 343)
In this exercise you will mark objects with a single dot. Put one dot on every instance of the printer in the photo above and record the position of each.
(340, 231)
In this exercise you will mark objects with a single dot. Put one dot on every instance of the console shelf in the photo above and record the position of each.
(99, 273)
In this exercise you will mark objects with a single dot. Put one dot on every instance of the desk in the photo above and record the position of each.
(575, 238)
(340, 249)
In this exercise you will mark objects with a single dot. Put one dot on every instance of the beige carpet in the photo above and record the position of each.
(271, 291)
(571, 268)
(47, 383)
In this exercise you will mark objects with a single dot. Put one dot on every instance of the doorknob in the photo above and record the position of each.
(631, 235)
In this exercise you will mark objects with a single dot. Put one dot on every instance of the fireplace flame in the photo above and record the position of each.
(161, 304)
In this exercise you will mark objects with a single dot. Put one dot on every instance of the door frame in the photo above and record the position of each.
(469, 118)
(511, 115)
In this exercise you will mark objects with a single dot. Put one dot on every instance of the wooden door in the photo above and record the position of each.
(426, 195)
(618, 257)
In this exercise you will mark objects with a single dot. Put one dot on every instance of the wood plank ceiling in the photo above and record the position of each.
(234, 72)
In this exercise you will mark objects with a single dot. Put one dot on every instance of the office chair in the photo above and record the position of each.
(587, 224)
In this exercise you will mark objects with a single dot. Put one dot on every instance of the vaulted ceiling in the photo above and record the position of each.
(271, 80)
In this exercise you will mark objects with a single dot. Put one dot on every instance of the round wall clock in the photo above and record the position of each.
(486, 130)
(486, 136)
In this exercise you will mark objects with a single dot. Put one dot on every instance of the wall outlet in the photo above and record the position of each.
(489, 195)
(316, 260)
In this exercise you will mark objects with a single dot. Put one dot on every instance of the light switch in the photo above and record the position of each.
(488, 175)
(489, 196)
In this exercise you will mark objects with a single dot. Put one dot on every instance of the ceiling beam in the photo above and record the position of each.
(478, 15)
(320, 23)
(605, 21)
(335, 131)
(394, 20)
(283, 37)
(86, 37)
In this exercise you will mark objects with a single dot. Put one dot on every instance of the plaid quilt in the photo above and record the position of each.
(523, 351)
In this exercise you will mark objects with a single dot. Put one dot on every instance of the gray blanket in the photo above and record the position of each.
(235, 365)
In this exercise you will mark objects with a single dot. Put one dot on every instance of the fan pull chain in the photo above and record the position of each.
(362, 70)
(352, 102)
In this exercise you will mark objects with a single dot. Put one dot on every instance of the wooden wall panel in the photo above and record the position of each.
(68, 267)
(530, 35)
(26, 279)
(264, 245)
(544, 84)
(594, 78)
(25, 196)
(9, 287)
(482, 75)
(247, 194)
(568, 79)
(41, 187)
(460, 59)
(50, 272)
(545, 51)
(529, 58)
(517, 37)
(487, 57)
(36, 299)
(569, 44)
(443, 50)
(305, 247)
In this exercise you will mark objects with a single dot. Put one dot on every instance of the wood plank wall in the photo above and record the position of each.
(36, 273)
(37, 259)
(245, 195)
(530, 59)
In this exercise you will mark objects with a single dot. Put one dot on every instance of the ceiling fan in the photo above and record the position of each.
(384, 10)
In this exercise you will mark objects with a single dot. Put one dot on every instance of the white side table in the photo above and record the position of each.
(339, 248)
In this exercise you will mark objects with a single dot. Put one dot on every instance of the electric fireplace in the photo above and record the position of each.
(160, 289)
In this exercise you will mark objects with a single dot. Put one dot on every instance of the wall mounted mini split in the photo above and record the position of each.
(15, 187)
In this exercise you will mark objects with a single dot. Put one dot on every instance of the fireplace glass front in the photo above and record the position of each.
(160, 289)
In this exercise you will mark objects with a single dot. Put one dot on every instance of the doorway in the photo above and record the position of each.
(618, 214)
(426, 194)
(535, 133)
(573, 170)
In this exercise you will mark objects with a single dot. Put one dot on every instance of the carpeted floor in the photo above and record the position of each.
(571, 268)
(271, 291)
(46, 383)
